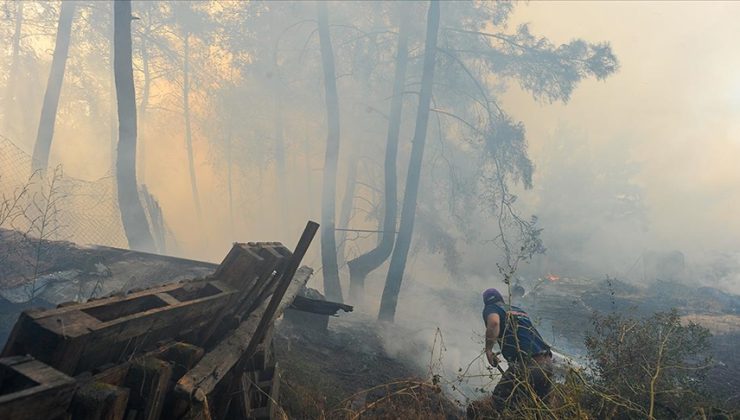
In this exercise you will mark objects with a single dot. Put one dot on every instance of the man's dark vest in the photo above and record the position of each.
(520, 337)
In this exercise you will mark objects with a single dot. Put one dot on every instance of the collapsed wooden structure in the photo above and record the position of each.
(198, 349)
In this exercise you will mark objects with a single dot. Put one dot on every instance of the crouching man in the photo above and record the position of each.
(529, 376)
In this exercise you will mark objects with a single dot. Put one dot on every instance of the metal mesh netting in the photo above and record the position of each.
(57, 207)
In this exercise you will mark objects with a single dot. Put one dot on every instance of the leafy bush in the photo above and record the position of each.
(646, 368)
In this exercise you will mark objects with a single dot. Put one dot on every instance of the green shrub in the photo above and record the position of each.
(646, 368)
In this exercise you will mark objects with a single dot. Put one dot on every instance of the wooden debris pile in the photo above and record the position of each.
(198, 349)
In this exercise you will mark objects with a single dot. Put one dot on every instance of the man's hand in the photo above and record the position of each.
(492, 358)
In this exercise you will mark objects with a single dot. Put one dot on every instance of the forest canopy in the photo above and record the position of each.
(373, 117)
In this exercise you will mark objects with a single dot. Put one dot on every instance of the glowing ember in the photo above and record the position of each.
(552, 277)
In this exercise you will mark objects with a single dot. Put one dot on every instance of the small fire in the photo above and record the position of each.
(552, 277)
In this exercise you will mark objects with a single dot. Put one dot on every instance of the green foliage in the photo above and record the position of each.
(650, 367)
(550, 72)
(505, 141)
(438, 241)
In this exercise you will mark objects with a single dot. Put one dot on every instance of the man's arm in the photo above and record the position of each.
(493, 325)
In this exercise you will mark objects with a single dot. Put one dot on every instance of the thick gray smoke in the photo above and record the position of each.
(614, 125)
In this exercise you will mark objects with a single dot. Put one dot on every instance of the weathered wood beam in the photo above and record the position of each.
(317, 306)
(181, 348)
(148, 381)
(266, 393)
(276, 302)
(214, 370)
(269, 257)
(79, 338)
(32, 390)
(99, 401)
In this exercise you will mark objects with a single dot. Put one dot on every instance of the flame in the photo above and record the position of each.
(552, 277)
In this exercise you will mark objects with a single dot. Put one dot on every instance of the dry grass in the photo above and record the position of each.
(717, 324)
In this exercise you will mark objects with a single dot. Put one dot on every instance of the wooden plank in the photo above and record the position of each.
(148, 382)
(60, 350)
(275, 394)
(262, 357)
(82, 337)
(316, 306)
(111, 375)
(300, 279)
(203, 378)
(239, 265)
(216, 368)
(255, 281)
(263, 283)
(246, 266)
(259, 261)
(307, 321)
(244, 407)
(30, 389)
(99, 401)
(275, 256)
(182, 357)
(287, 278)
(264, 394)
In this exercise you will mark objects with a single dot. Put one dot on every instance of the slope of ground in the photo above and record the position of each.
(349, 369)
(346, 371)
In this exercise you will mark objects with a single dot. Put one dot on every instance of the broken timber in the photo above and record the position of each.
(29, 386)
(182, 350)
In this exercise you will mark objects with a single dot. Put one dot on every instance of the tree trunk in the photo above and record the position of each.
(10, 88)
(281, 196)
(361, 266)
(330, 270)
(408, 212)
(53, 87)
(188, 131)
(112, 117)
(229, 179)
(346, 209)
(309, 178)
(133, 217)
(143, 105)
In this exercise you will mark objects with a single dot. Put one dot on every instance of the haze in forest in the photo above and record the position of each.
(638, 162)
(672, 109)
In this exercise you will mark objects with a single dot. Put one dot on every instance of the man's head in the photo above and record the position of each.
(492, 296)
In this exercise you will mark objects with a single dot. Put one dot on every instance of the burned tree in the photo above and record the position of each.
(10, 87)
(408, 211)
(186, 116)
(48, 118)
(361, 266)
(132, 213)
(330, 270)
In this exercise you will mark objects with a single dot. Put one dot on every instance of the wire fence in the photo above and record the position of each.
(84, 212)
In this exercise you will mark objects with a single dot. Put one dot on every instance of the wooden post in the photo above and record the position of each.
(148, 380)
(99, 401)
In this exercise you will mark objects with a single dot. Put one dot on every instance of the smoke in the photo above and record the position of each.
(669, 113)
(633, 169)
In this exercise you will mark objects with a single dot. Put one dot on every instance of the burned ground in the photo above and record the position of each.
(347, 370)
(348, 367)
